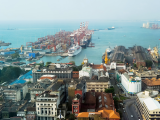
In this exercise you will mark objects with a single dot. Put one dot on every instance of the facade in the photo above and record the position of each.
(12, 94)
(141, 97)
(48, 102)
(86, 71)
(151, 84)
(118, 74)
(31, 113)
(59, 72)
(131, 83)
(97, 85)
(50, 78)
(115, 66)
(76, 103)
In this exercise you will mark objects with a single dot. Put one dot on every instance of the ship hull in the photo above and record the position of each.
(71, 54)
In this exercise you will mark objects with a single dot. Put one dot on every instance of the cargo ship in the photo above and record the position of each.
(73, 51)
(112, 28)
(2, 43)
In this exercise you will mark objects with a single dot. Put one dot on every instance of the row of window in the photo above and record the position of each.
(46, 104)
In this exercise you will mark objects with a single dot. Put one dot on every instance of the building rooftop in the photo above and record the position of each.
(132, 77)
(151, 82)
(99, 67)
(146, 94)
(152, 104)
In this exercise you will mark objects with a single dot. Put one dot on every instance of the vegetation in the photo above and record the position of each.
(77, 68)
(123, 98)
(15, 55)
(72, 62)
(41, 64)
(9, 73)
(47, 64)
(110, 90)
(116, 102)
(148, 63)
(72, 117)
(135, 65)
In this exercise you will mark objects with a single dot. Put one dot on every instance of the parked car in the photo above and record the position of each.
(131, 115)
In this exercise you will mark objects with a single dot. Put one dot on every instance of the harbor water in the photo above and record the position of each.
(126, 33)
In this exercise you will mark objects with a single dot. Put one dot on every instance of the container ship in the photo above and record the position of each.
(112, 28)
(73, 51)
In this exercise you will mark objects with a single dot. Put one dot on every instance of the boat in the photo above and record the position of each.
(109, 50)
(29, 59)
(112, 28)
(73, 51)
(84, 42)
(2, 43)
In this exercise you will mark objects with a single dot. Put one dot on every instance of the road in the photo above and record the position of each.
(129, 105)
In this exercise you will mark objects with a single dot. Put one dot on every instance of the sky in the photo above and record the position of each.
(79, 10)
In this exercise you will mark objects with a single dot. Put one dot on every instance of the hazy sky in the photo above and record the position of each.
(79, 10)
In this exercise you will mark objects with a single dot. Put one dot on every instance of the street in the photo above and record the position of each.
(129, 105)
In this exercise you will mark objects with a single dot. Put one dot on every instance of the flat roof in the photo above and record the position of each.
(152, 104)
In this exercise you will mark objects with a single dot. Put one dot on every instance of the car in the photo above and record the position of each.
(123, 108)
(131, 115)
(139, 118)
(124, 111)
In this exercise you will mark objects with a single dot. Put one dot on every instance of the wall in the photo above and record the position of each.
(130, 86)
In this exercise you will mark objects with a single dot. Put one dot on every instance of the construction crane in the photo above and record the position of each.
(106, 58)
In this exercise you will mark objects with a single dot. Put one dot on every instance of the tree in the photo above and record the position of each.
(77, 68)
(72, 117)
(72, 62)
(109, 90)
(47, 64)
(135, 65)
(148, 63)
(15, 55)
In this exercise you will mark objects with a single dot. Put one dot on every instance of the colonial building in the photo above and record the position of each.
(51, 70)
(151, 84)
(98, 85)
(48, 102)
(50, 78)
(86, 71)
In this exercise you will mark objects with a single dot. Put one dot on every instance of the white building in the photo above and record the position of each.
(48, 102)
(115, 66)
(148, 107)
(86, 71)
(131, 83)
(50, 78)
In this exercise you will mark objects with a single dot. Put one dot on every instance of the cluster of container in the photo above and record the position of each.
(60, 40)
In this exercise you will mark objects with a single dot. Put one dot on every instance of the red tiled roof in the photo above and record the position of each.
(90, 98)
(99, 67)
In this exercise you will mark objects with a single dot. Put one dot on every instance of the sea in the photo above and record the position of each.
(126, 33)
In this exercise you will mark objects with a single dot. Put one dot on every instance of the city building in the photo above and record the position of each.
(31, 113)
(39, 88)
(86, 71)
(151, 84)
(118, 74)
(98, 85)
(115, 66)
(37, 72)
(141, 97)
(130, 83)
(50, 78)
(76, 102)
(99, 106)
(48, 102)
(15, 92)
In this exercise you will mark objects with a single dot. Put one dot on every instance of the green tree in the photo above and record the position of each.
(72, 62)
(148, 63)
(135, 65)
(109, 90)
(15, 55)
(47, 64)
(72, 117)
(77, 68)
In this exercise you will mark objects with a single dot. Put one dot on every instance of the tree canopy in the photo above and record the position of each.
(72, 62)
(110, 90)
(148, 63)
(15, 55)
(9, 73)
(47, 64)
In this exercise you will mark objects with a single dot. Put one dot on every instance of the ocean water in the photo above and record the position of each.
(126, 33)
